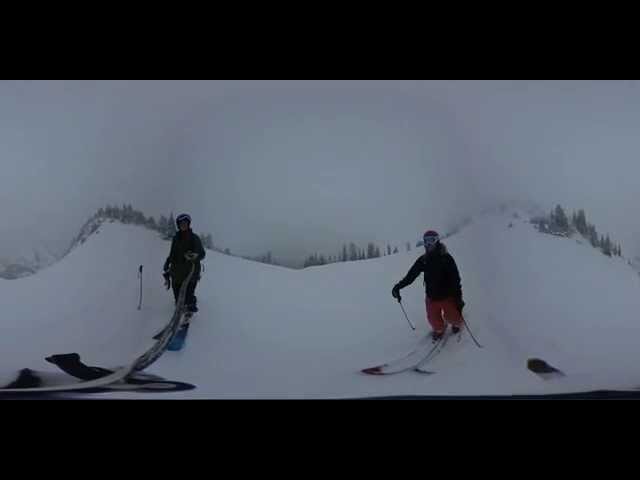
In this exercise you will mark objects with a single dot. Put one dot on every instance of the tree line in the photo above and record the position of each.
(165, 225)
(352, 253)
(558, 223)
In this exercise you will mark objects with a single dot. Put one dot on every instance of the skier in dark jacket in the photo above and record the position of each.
(186, 249)
(442, 284)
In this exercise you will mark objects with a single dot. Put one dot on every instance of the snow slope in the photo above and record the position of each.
(270, 332)
(86, 303)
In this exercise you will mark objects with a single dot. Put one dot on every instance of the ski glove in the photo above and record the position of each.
(395, 293)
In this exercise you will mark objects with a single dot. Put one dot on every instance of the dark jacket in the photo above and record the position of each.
(441, 276)
(176, 263)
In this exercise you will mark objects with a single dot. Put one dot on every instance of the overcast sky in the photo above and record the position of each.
(302, 166)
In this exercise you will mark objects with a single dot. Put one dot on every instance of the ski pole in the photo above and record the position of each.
(469, 330)
(413, 327)
(140, 276)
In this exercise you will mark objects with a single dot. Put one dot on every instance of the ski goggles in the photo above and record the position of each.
(183, 218)
(430, 241)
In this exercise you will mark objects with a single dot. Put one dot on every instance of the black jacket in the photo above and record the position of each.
(176, 263)
(441, 276)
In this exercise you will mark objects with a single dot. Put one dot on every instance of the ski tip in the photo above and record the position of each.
(372, 371)
(544, 369)
(63, 356)
(539, 366)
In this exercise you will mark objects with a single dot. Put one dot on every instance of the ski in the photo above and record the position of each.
(178, 340)
(116, 376)
(416, 357)
(420, 368)
(30, 383)
(166, 336)
(96, 378)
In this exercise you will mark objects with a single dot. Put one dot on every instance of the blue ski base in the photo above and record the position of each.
(177, 343)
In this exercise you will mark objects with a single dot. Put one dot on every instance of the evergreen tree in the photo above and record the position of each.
(561, 221)
(606, 249)
(581, 223)
(593, 236)
(353, 252)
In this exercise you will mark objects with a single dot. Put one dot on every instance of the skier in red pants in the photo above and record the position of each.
(442, 284)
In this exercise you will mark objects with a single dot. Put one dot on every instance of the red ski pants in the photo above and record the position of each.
(435, 311)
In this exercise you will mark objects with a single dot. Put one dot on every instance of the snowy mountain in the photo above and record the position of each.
(13, 271)
(269, 332)
(23, 266)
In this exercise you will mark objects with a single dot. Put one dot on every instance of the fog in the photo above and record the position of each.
(298, 167)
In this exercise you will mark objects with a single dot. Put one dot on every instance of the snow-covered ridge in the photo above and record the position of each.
(268, 332)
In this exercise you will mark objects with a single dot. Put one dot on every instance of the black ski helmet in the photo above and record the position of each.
(181, 218)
